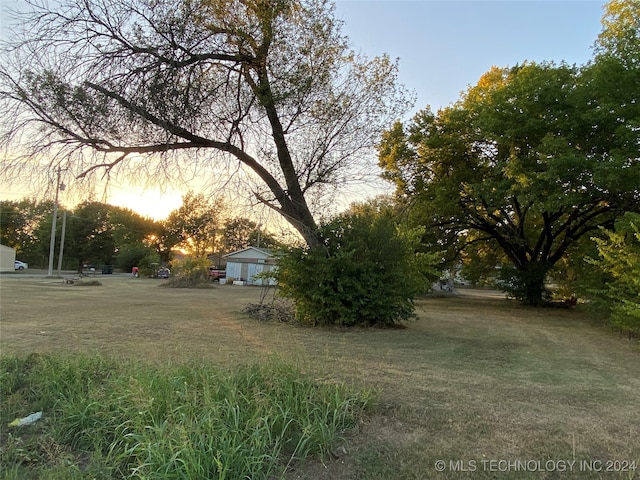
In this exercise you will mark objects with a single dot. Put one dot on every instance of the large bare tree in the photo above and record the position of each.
(268, 89)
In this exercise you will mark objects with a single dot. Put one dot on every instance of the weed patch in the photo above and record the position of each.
(88, 283)
(135, 421)
(275, 311)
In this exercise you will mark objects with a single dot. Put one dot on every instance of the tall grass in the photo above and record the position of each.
(104, 419)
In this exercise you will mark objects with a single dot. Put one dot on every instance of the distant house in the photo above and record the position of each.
(7, 258)
(245, 264)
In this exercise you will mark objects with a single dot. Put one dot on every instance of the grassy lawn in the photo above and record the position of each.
(492, 389)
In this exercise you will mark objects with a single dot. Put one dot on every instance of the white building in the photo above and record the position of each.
(7, 258)
(245, 264)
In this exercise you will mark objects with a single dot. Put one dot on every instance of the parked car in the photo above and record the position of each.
(217, 273)
(18, 265)
(163, 272)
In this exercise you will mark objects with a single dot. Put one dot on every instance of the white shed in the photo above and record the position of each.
(245, 264)
(7, 258)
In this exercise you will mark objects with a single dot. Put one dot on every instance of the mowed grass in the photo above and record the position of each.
(492, 389)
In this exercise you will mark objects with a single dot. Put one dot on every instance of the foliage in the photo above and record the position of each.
(97, 233)
(480, 262)
(619, 263)
(128, 421)
(196, 224)
(241, 233)
(190, 273)
(620, 36)
(531, 159)
(266, 93)
(524, 284)
(131, 255)
(365, 273)
(571, 274)
(20, 223)
(148, 264)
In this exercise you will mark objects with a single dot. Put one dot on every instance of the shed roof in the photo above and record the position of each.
(250, 252)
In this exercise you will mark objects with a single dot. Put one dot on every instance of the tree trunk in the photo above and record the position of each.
(530, 281)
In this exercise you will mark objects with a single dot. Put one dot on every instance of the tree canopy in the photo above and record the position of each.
(532, 158)
(268, 88)
(240, 232)
(196, 225)
(620, 36)
(99, 234)
(20, 227)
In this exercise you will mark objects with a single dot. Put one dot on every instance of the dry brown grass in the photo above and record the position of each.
(475, 378)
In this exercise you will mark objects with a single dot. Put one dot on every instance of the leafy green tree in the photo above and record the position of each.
(195, 226)
(130, 228)
(619, 263)
(191, 272)
(480, 262)
(98, 233)
(13, 223)
(20, 223)
(531, 159)
(264, 91)
(365, 273)
(149, 264)
(134, 236)
(620, 36)
(89, 236)
(239, 233)
(570, 275)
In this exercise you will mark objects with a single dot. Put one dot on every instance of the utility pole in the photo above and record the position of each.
(52, 243)
(64, 227)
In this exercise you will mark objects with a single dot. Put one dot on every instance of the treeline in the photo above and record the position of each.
(101, 234)
(374, 261)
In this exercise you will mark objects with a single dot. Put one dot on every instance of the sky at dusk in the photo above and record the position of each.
(443, 47)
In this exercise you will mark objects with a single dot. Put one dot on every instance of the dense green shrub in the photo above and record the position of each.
(618, 264)
(365, 273)
(192, 272)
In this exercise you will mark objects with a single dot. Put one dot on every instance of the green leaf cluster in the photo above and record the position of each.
(619, 265)
(365, 273)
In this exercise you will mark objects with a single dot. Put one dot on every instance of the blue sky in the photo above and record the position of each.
(445, 46)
